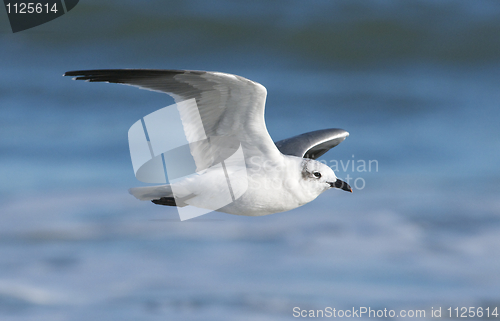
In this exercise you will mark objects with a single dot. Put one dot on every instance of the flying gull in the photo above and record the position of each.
(263, 177)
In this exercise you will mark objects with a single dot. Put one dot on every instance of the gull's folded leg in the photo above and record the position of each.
(167, 201)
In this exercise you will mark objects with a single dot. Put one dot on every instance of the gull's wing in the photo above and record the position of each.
(313, 144)
(230, 106)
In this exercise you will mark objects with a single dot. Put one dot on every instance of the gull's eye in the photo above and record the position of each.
(317, 174)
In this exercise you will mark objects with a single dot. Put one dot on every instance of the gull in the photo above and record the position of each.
(264, 177)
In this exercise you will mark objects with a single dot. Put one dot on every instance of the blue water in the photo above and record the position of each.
(415, 84)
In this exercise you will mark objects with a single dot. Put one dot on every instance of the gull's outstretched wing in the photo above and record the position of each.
(313, 144)
(230, 106)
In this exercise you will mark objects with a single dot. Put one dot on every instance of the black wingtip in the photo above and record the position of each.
(125, 76)
(78, 72)
(98, 75)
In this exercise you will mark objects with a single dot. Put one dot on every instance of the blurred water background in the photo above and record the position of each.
(416, 83)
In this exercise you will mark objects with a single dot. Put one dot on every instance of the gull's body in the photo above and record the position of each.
(278, 177)
(279, 187)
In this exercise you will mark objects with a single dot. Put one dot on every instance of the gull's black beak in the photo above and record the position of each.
(342, 185)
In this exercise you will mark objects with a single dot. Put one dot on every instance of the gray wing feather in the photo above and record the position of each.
(312, 144)
(229, 105)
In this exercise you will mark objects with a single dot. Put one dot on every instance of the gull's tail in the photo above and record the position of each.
(149, 193)
(160, 195)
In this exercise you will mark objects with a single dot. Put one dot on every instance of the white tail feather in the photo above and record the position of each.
(149, 193)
